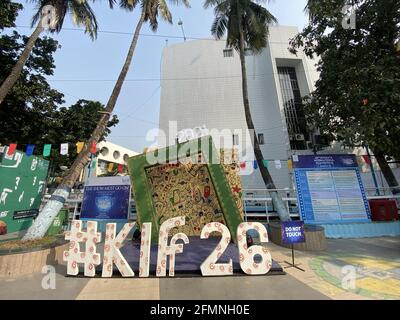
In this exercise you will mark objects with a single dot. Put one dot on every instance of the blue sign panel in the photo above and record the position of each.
(293, 232)
(330, 189)
(109, 202)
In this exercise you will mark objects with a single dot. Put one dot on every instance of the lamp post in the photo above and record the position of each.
(180, 23)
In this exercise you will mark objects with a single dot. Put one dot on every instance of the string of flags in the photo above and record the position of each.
(277, 163)
(64, 149)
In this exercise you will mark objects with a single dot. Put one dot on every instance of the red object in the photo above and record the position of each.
(236, 189)
(384, 210)
(3, 228)
(243, 165)
(93, 148)
(365, 102)
(120, 168)
(11, 149)
(367, 160)
(207, 192)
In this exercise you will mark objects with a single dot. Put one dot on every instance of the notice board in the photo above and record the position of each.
(330, 189)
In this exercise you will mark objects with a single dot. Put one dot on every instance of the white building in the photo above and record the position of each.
(202, 86)
(109, 153)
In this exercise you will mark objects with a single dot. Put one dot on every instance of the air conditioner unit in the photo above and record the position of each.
(300, 137)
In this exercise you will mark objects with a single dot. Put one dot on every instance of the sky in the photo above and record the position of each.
(87, 69)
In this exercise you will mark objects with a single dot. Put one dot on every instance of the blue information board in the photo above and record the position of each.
(106, 199)
(330, 189)
(293, 232)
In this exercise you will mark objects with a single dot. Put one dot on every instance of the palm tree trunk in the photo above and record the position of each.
(387, 171)
(17, 69)
(50, 211)
(269, 183)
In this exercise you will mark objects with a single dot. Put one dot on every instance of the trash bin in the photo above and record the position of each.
(57, 225)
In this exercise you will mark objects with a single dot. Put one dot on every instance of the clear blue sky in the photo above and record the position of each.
(98, 63)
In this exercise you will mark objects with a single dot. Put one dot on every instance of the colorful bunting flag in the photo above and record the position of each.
(120, 168)
(93, 148)
(29, 149)
(79, 147)
(110, 167)
(11, 149)
(255, 165)
(367, 159)
(290, 164)
(266, 163)
(278, 164)
(64, 149)
(46, 150)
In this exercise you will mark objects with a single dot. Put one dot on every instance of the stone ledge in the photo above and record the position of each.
(315, 238)
(22, 264)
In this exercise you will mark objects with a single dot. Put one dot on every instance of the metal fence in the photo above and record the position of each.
(257, 202)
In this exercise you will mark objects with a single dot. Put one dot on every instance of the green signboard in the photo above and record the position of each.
(22, 184)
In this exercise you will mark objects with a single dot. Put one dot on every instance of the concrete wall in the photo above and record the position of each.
(202, 87)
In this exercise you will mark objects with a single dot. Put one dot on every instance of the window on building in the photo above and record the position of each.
(261, 139)
(293, 107)
(235, 139)
(228, 53)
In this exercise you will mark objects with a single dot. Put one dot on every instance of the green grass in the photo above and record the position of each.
(18, 244)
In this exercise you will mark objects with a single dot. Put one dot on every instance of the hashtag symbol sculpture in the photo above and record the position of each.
(112, 253)
(74, 256)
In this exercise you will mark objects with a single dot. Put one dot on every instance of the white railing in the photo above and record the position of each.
(257, 202)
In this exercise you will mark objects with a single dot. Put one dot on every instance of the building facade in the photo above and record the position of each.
(202, 86)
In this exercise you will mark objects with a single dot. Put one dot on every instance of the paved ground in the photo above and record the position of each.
(374, 262)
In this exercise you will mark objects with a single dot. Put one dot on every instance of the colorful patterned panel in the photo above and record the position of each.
(200, 192)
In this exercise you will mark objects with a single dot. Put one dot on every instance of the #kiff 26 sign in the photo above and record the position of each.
(152, 231)
(90, 258)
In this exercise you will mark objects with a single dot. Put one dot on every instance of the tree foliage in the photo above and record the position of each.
(8, 13)
(357, 98)
(32, 113)
(254, 20)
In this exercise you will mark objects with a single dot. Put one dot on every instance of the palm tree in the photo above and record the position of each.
(246, 24)
(150, 11)
(81, 13)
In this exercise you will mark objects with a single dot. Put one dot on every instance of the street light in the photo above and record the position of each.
(180, 23)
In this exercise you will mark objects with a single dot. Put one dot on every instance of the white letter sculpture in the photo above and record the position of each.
(246, 255)
(210, 267)
(112, 253)
(145, 246)
(164, 250)
(74, 256)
